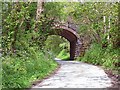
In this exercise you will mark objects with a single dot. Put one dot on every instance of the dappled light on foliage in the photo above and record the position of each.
(55, 46)
(28, 47)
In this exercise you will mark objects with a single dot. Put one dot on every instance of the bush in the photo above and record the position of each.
(21, 72)
(106, 57)
(63, 54)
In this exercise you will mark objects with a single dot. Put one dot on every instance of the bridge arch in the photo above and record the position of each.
(71, 36)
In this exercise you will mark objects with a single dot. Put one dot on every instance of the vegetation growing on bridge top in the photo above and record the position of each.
(28, 52)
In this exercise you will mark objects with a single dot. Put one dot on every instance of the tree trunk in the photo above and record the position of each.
(40, 4)
(104, 20)
(108, 37)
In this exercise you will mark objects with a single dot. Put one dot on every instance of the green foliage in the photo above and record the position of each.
(21, 72)
(27, 52)
(57, 46)
(106, 57)
(0, 74)
(23, 60)
(64, 55)
(55, 10)
(17, 26)
(52, 44)
(90, 16)
(93, 55)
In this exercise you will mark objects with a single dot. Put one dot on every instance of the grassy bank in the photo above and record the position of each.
(106, 57)
(20, 72)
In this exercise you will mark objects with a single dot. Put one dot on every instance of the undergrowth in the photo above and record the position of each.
(64, 55)
(106, 57)
(20, 72)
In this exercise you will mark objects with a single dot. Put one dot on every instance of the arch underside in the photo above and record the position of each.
(70, 35)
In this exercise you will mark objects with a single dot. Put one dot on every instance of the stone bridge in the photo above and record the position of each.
(71, 35)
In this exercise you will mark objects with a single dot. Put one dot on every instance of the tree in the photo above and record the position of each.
(40, 4)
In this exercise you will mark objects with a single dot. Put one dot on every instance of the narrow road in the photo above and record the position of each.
(74, 74)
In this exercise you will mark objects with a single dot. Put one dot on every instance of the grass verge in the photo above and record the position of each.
(107, 57)
(20, 72)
